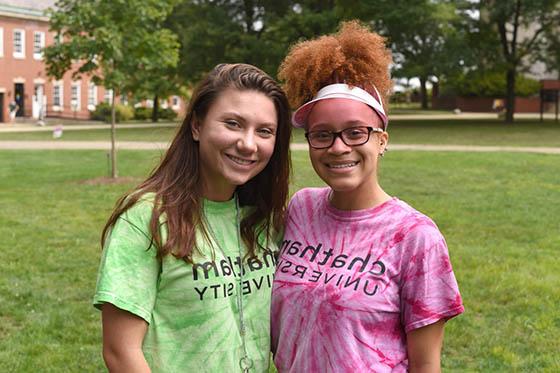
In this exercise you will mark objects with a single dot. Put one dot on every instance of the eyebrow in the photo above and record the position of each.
(243, 119)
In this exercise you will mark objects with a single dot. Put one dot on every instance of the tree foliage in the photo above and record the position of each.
(121, 44)
(110, 40)
(482, 83)
(257, 32)
(425, 36)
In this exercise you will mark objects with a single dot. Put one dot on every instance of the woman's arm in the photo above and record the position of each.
(123, 334)
(424, 348)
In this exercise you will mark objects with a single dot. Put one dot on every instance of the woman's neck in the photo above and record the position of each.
(354, 200)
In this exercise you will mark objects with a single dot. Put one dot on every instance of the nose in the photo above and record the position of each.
(339, 147)
(247, 142)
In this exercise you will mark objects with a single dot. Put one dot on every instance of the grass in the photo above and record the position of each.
(450, 132)
(498, 211)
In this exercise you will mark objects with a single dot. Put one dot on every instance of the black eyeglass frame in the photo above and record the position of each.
(336, 134)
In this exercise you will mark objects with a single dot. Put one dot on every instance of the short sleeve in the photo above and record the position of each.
(429, 290)
(129, 269)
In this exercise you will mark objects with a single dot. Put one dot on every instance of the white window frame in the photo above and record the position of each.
(75, 96)
(108, 98)
(1, 42)
(38, 47)
(60, 85)
(20, 54)
(92, 96)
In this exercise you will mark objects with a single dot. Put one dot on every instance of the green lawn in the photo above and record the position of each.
(458, 132)
(498, 211)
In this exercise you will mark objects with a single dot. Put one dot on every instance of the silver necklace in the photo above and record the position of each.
(245, 363)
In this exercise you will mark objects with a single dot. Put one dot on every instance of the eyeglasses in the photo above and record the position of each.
(352, 136)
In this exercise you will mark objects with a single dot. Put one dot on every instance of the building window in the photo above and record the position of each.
(92, 96)
(175, 102)
(38, 44)
(75, 96)
(58, 96)
(108, 96)
(1, 42)
(19, 43)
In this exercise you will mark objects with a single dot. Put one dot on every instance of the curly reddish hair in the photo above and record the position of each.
(354, 55)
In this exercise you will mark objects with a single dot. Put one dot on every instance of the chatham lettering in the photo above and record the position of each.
(236, 268)
(364, 275)
(232, 266)
(325, 258)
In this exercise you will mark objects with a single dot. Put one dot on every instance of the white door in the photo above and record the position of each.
(39, 101)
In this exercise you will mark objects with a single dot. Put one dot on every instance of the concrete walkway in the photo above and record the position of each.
(29, 126)
(145, 145)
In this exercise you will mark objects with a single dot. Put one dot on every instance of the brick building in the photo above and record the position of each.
(24, 32)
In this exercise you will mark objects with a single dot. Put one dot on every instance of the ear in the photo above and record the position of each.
(383, 140)
(195, 129)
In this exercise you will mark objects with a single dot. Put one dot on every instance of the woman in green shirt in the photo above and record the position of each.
(186, 271)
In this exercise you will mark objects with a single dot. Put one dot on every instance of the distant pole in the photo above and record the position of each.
(542, 103)
(114, 173)
(557, 94)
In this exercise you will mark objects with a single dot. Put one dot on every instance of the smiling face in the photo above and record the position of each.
(351, 171)
(236, 140)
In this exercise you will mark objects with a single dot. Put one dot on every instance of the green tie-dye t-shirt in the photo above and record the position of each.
(191, 310)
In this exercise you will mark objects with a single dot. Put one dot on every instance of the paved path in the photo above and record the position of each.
(145, 145)
(30, 126)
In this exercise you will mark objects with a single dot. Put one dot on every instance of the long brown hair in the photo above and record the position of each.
(176, 181)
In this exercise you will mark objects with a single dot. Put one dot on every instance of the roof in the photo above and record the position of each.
(31, 9)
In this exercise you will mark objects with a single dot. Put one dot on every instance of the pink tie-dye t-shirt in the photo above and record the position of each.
(349, 285)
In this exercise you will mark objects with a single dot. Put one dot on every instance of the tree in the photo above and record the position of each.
(113, 41)
(425, 36)
(552, 50)
(521, 27)
(257, 32)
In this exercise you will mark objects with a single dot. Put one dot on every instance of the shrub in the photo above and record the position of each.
(103, 112)
(491, 84)
(144, 113)
(167, 114)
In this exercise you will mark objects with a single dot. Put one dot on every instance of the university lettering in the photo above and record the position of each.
(361, 283)
(229, 289)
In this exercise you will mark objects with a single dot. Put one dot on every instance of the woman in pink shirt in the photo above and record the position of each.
(363, 281)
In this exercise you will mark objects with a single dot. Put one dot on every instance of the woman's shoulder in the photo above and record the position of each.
(414, 224)
(308, 194)
(142, 209)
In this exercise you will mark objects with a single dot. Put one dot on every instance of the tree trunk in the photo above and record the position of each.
(155, 109)
(423, 93)
(510, 95)
(114, 172)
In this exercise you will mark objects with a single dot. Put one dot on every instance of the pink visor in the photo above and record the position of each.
(299, 119)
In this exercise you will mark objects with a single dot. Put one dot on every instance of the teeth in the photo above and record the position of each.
(239, 160)
(345, 165)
